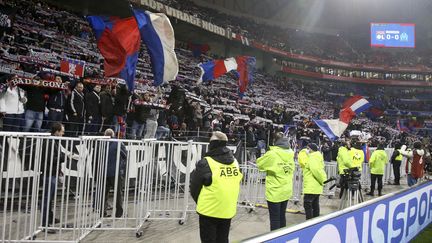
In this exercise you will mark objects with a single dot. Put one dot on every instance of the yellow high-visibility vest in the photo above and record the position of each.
(219, 200)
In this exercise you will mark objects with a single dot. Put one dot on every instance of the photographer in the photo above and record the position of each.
(314, 176)
(343, 157)
(377, 163)
(357, 155)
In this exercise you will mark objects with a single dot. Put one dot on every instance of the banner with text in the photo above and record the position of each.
(396, 218)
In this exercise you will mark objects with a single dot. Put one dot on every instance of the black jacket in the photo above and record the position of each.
(92, 105)
(57, 100)
(202, 175)
(121, 101)
(394, 155)
(141, 113)
(77, 104)
(35, 98)
(51, 154)
(107, 105)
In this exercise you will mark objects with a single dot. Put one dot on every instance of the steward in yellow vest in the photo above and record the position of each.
(278, 163)
(314, 176)
(215, 187)
(377, 163)
(396, 161)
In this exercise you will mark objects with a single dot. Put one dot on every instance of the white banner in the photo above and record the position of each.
(160, 7)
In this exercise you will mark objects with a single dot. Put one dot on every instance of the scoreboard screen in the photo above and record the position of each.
(392, 35)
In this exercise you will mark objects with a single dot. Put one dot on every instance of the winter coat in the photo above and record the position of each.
(112, 159)
(202, 175)
(57, 101)
(10, 102)
(93, 105)
(343, 159)
(314, 174)
(107, 105)
(378, 161)
(35, 98)
(278, 163)
(77, 104)
(415, 164)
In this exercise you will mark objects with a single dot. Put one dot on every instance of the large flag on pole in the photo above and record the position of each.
(334, 128)
(118, 41)
(158, 35)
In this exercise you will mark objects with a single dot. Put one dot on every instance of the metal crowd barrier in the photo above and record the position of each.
(45, 188)
(331, 170)
(73, 186)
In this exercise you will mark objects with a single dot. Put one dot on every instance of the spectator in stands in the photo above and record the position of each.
(163, 130)
(77, 113)
(217, 122)
(93, 110)
(278, 163)
(56, 105)
(140, 115)
(12, 103)
(35, 107)
(121, 98)
(151, 122)
(107, 107)
(215, 186)
(314, 176)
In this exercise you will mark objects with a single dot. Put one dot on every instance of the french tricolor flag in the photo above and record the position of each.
(353, 106)
(212, 70)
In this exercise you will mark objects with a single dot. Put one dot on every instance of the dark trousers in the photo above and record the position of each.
(93, 125)
(375, 178)
(48, 197)
(13, 122)
(54, 116)
(311, 205)
(214, 230)
(76, 126)
(277, 214)
(110, 184)
(396, 171)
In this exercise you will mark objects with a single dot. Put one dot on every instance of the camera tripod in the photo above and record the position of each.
(351, 196)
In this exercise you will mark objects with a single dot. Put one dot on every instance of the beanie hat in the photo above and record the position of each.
(219, 136)
(313, 146)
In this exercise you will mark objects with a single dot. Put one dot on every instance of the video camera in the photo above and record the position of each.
(350, 179)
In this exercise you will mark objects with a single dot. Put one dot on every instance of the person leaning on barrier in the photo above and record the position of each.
(215, 187)
(278, 163)
(414, 166)
(377, 163)
(396, 161)
(343, 157)
(112, 161)
(51, 169)
(314, 176)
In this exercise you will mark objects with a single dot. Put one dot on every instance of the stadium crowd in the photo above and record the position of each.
(331, 47)
(39, 35)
